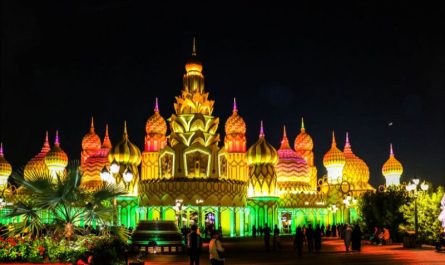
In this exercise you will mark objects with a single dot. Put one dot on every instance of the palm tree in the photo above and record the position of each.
(65, 200)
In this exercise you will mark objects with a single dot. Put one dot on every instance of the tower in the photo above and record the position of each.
(355, 171)
(56, 159)
(303, 146)
(235, 166)
(155, 140)
(392, 169)
(90, 144)
(334, 161)
(5, 169)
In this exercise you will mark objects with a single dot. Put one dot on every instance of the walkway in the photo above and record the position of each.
(251, 251)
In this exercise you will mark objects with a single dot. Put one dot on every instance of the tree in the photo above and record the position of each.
(381, 209)
(63, 197)
(428, 209)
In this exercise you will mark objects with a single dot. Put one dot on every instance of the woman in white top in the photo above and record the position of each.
(216, 250)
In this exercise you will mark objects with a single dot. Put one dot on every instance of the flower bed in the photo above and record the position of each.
(47, 250)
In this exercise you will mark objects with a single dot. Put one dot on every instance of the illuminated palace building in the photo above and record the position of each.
(187, 177)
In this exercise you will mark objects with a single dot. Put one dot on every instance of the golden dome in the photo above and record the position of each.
(303, 142)
(334, 157)
(91, 140)
(290, 167)
(156, 123)
(106, 143)
(235, 123)
(37, 163)
(56, 159)
(355, 170)
(392, 166)
(262, 152)
(5, 167)
(125, 152)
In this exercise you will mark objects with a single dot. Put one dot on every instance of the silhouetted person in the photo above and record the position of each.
(276, 239)
(266, 232)
(298, 241)
(347, 237)
(334, 230)
(254, 231)
(317, 238)
(194, 245)
(310, 238)
(322, 228)
(356, 238)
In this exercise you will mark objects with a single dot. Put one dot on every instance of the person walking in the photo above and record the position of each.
(356, 238)
(317, 238)
(298, 241)
(266, 232)
(254, 231)
(276, 239)
(347, 237)
(194, 245)
(310, 238)
(216, 251)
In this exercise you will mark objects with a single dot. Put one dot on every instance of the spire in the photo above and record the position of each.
(56, 140)
(302, 124)
(106, 143)
(334, 143)
(391, 152)
(46, 138)
(106, 131)
(1, 149)
(261, 130)
(156, 105)
(284, 141)
(92, 125)
(347, 144)
(235, 108)
(347, 148)
(194, 47)
(125, 128)
(46, 147)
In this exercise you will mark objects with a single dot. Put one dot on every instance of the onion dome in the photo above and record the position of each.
(125, 152)
(355, 170)
(290, 167)
(303, 142)
(262, 152)
(334, 157)
(392, 166)
(235, 123)
(5, 168)
(56, 159)
(91, 140)
(106, 143)
(156, 123)
(37, 163)
(193, 64)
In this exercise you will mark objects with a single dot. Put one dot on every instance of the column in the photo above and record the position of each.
(232, 222)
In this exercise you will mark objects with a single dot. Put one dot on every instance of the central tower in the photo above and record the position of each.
(193, 141)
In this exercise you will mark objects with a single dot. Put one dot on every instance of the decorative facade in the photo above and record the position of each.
(184, 174)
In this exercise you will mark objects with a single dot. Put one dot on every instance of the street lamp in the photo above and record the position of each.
(114, 167)
(128, 176)
(414, 190)
(105, 175)
(333, 208)
(349, 201)
(178, 208)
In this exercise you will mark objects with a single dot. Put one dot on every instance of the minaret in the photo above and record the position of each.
(5, 169)
(235, 147)
(392, 169)
(303, 146)
(334, 161)
(155, 140)
(193, 79)
(90, 143)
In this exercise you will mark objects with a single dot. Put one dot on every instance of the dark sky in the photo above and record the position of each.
(345, 68)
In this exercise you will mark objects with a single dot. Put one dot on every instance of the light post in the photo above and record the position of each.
(114, 169)
(333, 208)
(414, 190)
(349, 201)
(178, 208)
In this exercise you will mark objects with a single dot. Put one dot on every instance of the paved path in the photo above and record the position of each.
(251, 251)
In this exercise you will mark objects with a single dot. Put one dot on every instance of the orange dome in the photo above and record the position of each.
(290, 167)
(235, 123)
(392, 166)
(303, 142)
(262, 152)
(355, 170)
(156, 123)
(37, 163)
(5, 168)
(334, 157)
(91, 140)
(56, 159)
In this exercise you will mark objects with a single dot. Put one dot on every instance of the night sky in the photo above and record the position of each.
(352, 68)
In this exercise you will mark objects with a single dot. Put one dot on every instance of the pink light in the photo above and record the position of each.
(1, 149)
(261, 130)
(235, 109)
(156, 105)
(56, 141)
